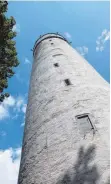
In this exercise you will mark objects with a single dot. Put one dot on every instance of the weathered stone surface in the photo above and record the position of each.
(54, 149)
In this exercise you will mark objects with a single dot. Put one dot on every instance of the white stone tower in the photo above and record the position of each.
(66, 136)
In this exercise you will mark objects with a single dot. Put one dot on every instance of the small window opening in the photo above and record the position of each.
(50, 40)
(51, 43)
(84, 121)
(56, 65)
(67, 82)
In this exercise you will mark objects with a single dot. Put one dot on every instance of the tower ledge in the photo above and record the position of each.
(47, 36)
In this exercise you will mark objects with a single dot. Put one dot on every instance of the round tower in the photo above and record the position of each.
(66, 135)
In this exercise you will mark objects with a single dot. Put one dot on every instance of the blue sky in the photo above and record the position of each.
(85, 24)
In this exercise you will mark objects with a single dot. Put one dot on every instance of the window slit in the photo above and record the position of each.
(67, 82)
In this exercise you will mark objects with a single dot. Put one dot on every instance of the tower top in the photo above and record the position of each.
(47, 36)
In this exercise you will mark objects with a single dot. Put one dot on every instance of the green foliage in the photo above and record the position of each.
(8, 54)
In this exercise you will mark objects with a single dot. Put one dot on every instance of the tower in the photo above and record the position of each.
(66, 136)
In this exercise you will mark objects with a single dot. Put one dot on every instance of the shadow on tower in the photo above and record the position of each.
(83, 171)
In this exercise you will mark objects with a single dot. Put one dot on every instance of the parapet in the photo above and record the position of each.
(47, 36)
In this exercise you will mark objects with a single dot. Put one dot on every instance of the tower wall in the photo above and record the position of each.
(58, 146)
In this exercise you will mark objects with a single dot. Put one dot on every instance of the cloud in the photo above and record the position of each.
(24, 108)
(9, 165)
(5, 105)
(16, 28)
(22, 124)
(20, 107)
(24, 111)
(67, 35)
(18, 104)
(82, 50)
(10, 101)
(3, 112)
(27, 61)
(15, 116)
(101, 40)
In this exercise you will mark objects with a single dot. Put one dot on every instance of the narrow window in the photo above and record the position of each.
(57, 55)
(84, 123)
(67, 82)
(56, 65)
(51, 43)
(50, 40)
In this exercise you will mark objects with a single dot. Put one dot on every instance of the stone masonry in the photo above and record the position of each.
(66, 135)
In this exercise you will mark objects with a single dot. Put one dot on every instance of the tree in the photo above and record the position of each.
(8, 54)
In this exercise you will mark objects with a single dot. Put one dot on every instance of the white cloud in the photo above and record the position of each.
(3, 112)
(82, 50)
(27, 61)
(18, 104)
(24, 108)
(101, 40)
(68, 36)
(15, 116)
(22, 124)
(10, 101)
(5, 105)
(9, 165)
(24, 111)
(16, 28)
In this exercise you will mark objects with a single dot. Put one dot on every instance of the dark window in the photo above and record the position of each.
(51, 43)
(50, 40)
(56, 65)
(67, 82)
(84, 123)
